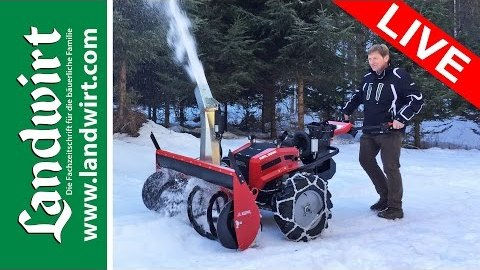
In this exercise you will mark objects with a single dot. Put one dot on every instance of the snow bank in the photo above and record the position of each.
(452, 133)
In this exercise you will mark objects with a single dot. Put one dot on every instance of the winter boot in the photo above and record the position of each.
(380, 205)
(391, 213)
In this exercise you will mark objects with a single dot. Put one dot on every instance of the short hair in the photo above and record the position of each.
(382, 49)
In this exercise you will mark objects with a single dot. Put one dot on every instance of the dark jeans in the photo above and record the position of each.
(388, 182)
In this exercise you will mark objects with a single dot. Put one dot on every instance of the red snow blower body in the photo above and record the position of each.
(288, 177)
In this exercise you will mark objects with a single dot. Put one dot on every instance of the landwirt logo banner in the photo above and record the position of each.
(422, 41)
(54, 91)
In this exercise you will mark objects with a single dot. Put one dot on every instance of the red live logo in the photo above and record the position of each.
(422, 41)
(422, 51)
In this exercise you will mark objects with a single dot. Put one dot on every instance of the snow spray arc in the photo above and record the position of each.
(182, 42)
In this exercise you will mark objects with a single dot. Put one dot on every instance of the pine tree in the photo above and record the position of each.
(134, 21)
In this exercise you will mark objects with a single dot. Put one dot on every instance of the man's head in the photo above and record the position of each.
(378, 57)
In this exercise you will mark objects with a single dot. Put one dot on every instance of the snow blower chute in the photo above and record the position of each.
(288, 177)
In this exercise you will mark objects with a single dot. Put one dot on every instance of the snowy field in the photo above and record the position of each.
(441, 228)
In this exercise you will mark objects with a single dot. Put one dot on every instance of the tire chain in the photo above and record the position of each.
(325, 211)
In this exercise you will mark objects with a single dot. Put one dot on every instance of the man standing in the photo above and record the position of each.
(389, 96)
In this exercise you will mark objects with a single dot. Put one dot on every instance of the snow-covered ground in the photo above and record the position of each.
(452, 133)
(441, 228)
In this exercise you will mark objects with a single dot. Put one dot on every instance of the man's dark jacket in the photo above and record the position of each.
(390, 95)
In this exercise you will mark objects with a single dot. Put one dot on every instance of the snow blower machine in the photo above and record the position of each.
(287, 177)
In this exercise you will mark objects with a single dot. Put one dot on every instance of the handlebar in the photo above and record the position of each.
(321, 159)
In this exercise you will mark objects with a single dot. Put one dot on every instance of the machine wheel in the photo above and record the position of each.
(225, 228)
(302, 207)
(197, 210)
(215, 205)
(160, 191)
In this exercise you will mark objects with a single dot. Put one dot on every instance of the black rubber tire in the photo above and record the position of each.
(225, 229)
(284, 206)
(193, 219)
(153, 188)
(212, 223)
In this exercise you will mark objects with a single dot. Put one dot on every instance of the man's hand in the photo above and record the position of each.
(397, 124)
(346, 117)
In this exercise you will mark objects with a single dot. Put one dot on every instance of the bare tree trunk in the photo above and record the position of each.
(154, 113)
(225, 119)
(455, 19)
(166, 121)
(273, 126)
(300, 101)
(359, 57)
(154, 108)
(270, 105)
(246, 120)
(417, 136)
(293, 108)
(182, 112)
(264, 110)
(151, 105)
(122, 91)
